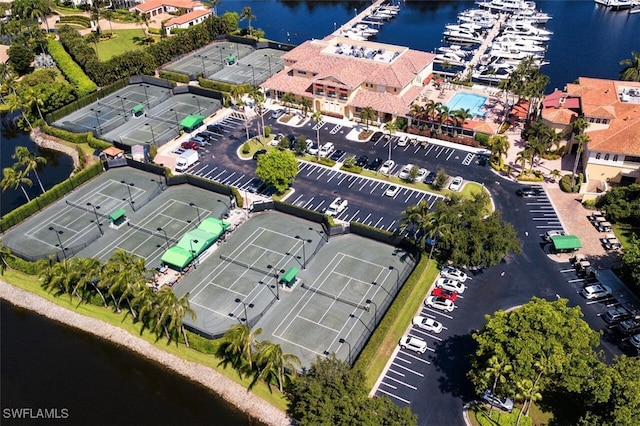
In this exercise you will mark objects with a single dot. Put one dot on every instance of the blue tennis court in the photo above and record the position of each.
(468, 101)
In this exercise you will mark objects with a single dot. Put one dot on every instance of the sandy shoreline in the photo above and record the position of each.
(229, 390)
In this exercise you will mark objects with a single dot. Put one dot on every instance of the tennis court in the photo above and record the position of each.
(80, 225)
(254, 68)
(343, 286)
(210, 59)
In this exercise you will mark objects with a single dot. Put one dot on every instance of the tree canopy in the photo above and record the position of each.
(622, 204)
(331, 393)
(277, 168)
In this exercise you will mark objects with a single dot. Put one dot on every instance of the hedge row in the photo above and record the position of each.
(222, 87)
(174, 76)
(23, 212)
(77, 138)
(86, 100)
(70, 69)
(76, 19)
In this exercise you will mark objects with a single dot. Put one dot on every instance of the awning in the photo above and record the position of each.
(136, 109)
(566, 242)
(115, 216)
(290, 276)
(214, 226)
(197, 240)
(230, 58)
(177, 257)
(190, 122)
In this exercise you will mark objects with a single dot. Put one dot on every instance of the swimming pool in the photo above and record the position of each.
(468, 101)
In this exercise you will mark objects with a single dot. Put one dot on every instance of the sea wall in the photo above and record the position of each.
(212, 379)
(51, 142)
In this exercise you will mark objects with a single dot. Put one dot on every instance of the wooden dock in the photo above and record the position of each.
(360, 17)
(485, 45)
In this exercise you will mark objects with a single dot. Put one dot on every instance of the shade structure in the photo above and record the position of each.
(214, 226)
(190, 122)
(118, 216)
(566, 242)
(177, 257)
(197, 240)
(289, 277)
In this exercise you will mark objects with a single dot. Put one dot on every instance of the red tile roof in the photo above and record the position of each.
(155, 4)
(187, 17)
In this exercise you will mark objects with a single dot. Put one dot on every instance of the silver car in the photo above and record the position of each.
(505, 404)
(413, 344)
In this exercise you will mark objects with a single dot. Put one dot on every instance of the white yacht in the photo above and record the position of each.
(493, 74)
(469, 26)
(531, 35)
(463, 36)
(525, 25)
(457, 49)
(507, 42)
(506, 6)
(450, 58)
(365, 29)
(353, 34)
(511, 53)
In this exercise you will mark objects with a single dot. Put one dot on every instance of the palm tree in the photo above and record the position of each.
(258, 102)
(145, 301)
(5, 253)
(247, 14)
(443, 115)
(274, 365)
(528, 392)
(536, 148)
(430, 108)
(62, 276)
(522, 158)
(631, 70)
(90, 272)
(170, 311)
(461, 116)
(317, 118)
(497, 370)
(417, 216)
(499, 145)
(237, 347)
(14, 179)
(30, 161)
(416, 111)
(124, 274)
(391, 127)
(367, 114)
(141, 19)
(108, 14)
(94, 38)
(30, 98)
(582, 139)
(95, 17)
(288, 99)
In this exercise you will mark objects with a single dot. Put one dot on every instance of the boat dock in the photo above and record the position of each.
(485, 44)
(360, 17)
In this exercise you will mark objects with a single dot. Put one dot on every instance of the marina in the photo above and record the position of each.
(363, 25)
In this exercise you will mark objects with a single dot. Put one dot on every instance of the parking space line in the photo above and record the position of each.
(237, 180)
(426, 309)
(343, 178)
(389, 385)
(219, 174)
(394, 396)
(442, 148)
(321, 173)
(402, 383)
(367, 218)
(308, 202)
(354, 215)
(407, 200)
(449, 156)
(363, 185)
(416, 357)
(351, 184)
(407, 369)
(378, 222)
(390, 370)
(389, 227)
(374, 188)
(318, 206)
(332, 176)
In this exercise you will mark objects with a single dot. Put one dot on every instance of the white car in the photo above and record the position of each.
(453, 274)
(451, 285)
(402, 141)
(439, 303)
(276, 140)
(428, 324)
(337, 206)
(422, 173)
(392, 191)
(387, 166)
(277, 113)
(456, 184)
(547, 235)
(405, 172)
(313, 149)
(327, 149)
(413, 344)
(595, 291)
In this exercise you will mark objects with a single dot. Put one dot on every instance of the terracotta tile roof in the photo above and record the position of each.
(559, 115)
(351, 71)
(155, 4)
(481, 126)
(187, 17)
(299, 86)
(600, 99)
(380, 101)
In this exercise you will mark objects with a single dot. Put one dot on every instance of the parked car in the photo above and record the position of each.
(431, 177)
(452, 285)
(337, 155)
(529, 191)
(259, 153)
(190, 145)
(618, 314)
(595, 291)
(326, 149)
(444, 293)
(439, 303)
(362, 161)
(313, 149)
(453, 274)
(413, 344)
(387, 166)
(422, 174)
(629, 327)
(376, 137)
(428, 324)
(456, 184)
(374, 164)
(635, 341)
(337, 206)
(505, 404)
(402, 141)
(405, 172)
(547, 235)
(256, 185)
(211, 137)
(277, 113)
(392, 191)
(215, 128)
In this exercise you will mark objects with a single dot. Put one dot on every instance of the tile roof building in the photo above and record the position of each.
(613, 110)
(340, 76)
(155, 7)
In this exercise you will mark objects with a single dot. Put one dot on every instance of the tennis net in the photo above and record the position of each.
(246, 265)
(150, 232)
(333, 296)
(86, 209)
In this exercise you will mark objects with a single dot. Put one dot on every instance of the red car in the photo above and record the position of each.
(190, 145)
(447, 294)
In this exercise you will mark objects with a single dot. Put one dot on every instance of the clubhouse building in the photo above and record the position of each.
(340, 76)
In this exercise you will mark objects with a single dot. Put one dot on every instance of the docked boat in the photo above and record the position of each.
(353, 34)
(534, 16)
(468, 26)
(511, 53)
(617, 4)
(463, 36)
(450, 58)
(528, 35)
(456, 49)
(511, 42)
(506, 6)
(525, 25)
(365, 29)
(493, 74)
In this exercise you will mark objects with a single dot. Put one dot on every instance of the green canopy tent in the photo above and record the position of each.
(214, 226)
(289, 277)
(137, 110)
(177, 257)
(566, 242)
(197, 240)
(190, 122)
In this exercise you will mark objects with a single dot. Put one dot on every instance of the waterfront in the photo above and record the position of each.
(49, 365)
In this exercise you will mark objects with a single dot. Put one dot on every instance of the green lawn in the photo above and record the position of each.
(123, 41)
(624, 233)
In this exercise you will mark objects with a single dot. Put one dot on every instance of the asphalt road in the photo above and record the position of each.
(433, 383)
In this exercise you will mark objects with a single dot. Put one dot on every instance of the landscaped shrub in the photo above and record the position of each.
(175, 76)
(76, 19)
(565, 183)
(481, 138)
(246, 148)
(222, 87)
(77, 138)
(72, 71)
